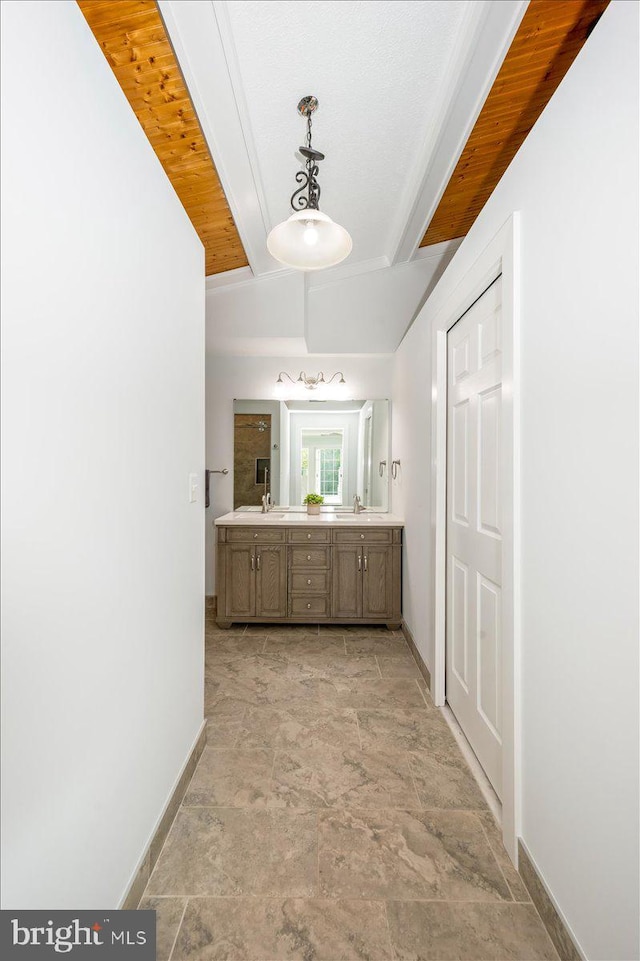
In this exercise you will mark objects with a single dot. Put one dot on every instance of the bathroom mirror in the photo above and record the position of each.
(295, 447)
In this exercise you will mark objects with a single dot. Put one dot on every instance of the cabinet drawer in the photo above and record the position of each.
(313, 582)
(259, 535)
(302, 557)
(378, 536)
(303, 605)
(310, 537)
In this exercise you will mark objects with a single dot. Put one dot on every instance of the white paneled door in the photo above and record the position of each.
(474, 538)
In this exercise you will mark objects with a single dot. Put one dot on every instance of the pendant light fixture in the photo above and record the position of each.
(308, 240)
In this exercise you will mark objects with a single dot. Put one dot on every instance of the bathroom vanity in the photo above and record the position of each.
(288, 567)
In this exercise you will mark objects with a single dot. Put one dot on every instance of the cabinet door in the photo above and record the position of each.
(377, 581)
(271, 581)
(347, 580)
(240, 581)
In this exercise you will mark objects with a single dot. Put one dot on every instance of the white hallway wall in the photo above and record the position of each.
(103, 419)
(255, 378)
(575, 181)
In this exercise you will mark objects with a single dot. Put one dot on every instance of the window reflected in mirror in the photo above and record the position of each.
(338, 449)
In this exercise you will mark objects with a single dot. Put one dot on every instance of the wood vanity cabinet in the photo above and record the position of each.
(363, 576)
(309, 575)
(255, 581)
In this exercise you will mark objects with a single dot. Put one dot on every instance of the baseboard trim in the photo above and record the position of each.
(422, 667)
(141, 877)
(211, 604)
(558, 930)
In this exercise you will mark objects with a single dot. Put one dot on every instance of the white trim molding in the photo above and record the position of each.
(500, 257)
(484, 41)
(202, 43)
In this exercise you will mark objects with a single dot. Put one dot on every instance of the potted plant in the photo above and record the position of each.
(313, 502)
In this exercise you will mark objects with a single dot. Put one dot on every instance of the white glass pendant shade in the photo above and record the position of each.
(309, 240)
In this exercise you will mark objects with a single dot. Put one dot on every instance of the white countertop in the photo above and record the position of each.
(286, 518)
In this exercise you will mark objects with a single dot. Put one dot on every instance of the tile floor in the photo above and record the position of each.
(332, 816)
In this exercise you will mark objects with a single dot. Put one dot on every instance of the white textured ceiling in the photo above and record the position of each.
(378, 70)
(400, 84)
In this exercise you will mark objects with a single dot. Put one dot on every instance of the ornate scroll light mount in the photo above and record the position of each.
(309, 239)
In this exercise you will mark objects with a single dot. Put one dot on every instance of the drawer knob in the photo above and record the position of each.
(362, 537)
(308, 557)
(308, 537)
(308, 606)
(255, 535)
(308, 580)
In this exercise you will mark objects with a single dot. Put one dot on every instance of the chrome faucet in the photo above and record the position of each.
(357, 505)
(266, 503)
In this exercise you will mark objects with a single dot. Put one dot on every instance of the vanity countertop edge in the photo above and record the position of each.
(300, 519)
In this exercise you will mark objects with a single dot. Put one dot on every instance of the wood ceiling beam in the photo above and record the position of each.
(135, 44)
(550, 36)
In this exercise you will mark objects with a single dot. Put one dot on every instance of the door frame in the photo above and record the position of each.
(501, 256)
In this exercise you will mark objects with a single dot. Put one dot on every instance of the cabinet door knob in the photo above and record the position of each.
(308, 580)
(308, 557)
(308, 606)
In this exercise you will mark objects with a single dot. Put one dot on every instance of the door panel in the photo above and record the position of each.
(240, 593)
(347, 580)
(489, 661)
(459, 634)
(377, 582)
(271, 581)
(474, 525)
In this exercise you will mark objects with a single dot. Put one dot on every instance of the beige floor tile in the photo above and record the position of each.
(416, 730)
(297, 645)
(328, 777)
(283, 930)
(444, 780)
(288, 630)
(332, 664)
(299, 726)
(269, 689)
(233, 851)
(494, 836)
(222, 732)
(407, 855)
(169, 913)
(231, 667)
(387, 693)
(401, 665)
(385, 644)
(231, 778)
(237, 644)
(427, 931)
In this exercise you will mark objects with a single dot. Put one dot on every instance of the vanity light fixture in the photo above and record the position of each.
(308, 240)
(308, 382)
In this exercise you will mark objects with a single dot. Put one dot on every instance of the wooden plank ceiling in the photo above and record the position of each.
(549, 38)
(135, 43)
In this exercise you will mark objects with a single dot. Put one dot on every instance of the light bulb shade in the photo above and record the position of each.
(309, 240)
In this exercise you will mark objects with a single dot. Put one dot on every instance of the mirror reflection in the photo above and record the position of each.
(292, 448)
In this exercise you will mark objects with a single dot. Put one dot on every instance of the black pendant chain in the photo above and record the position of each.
(308, 178)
